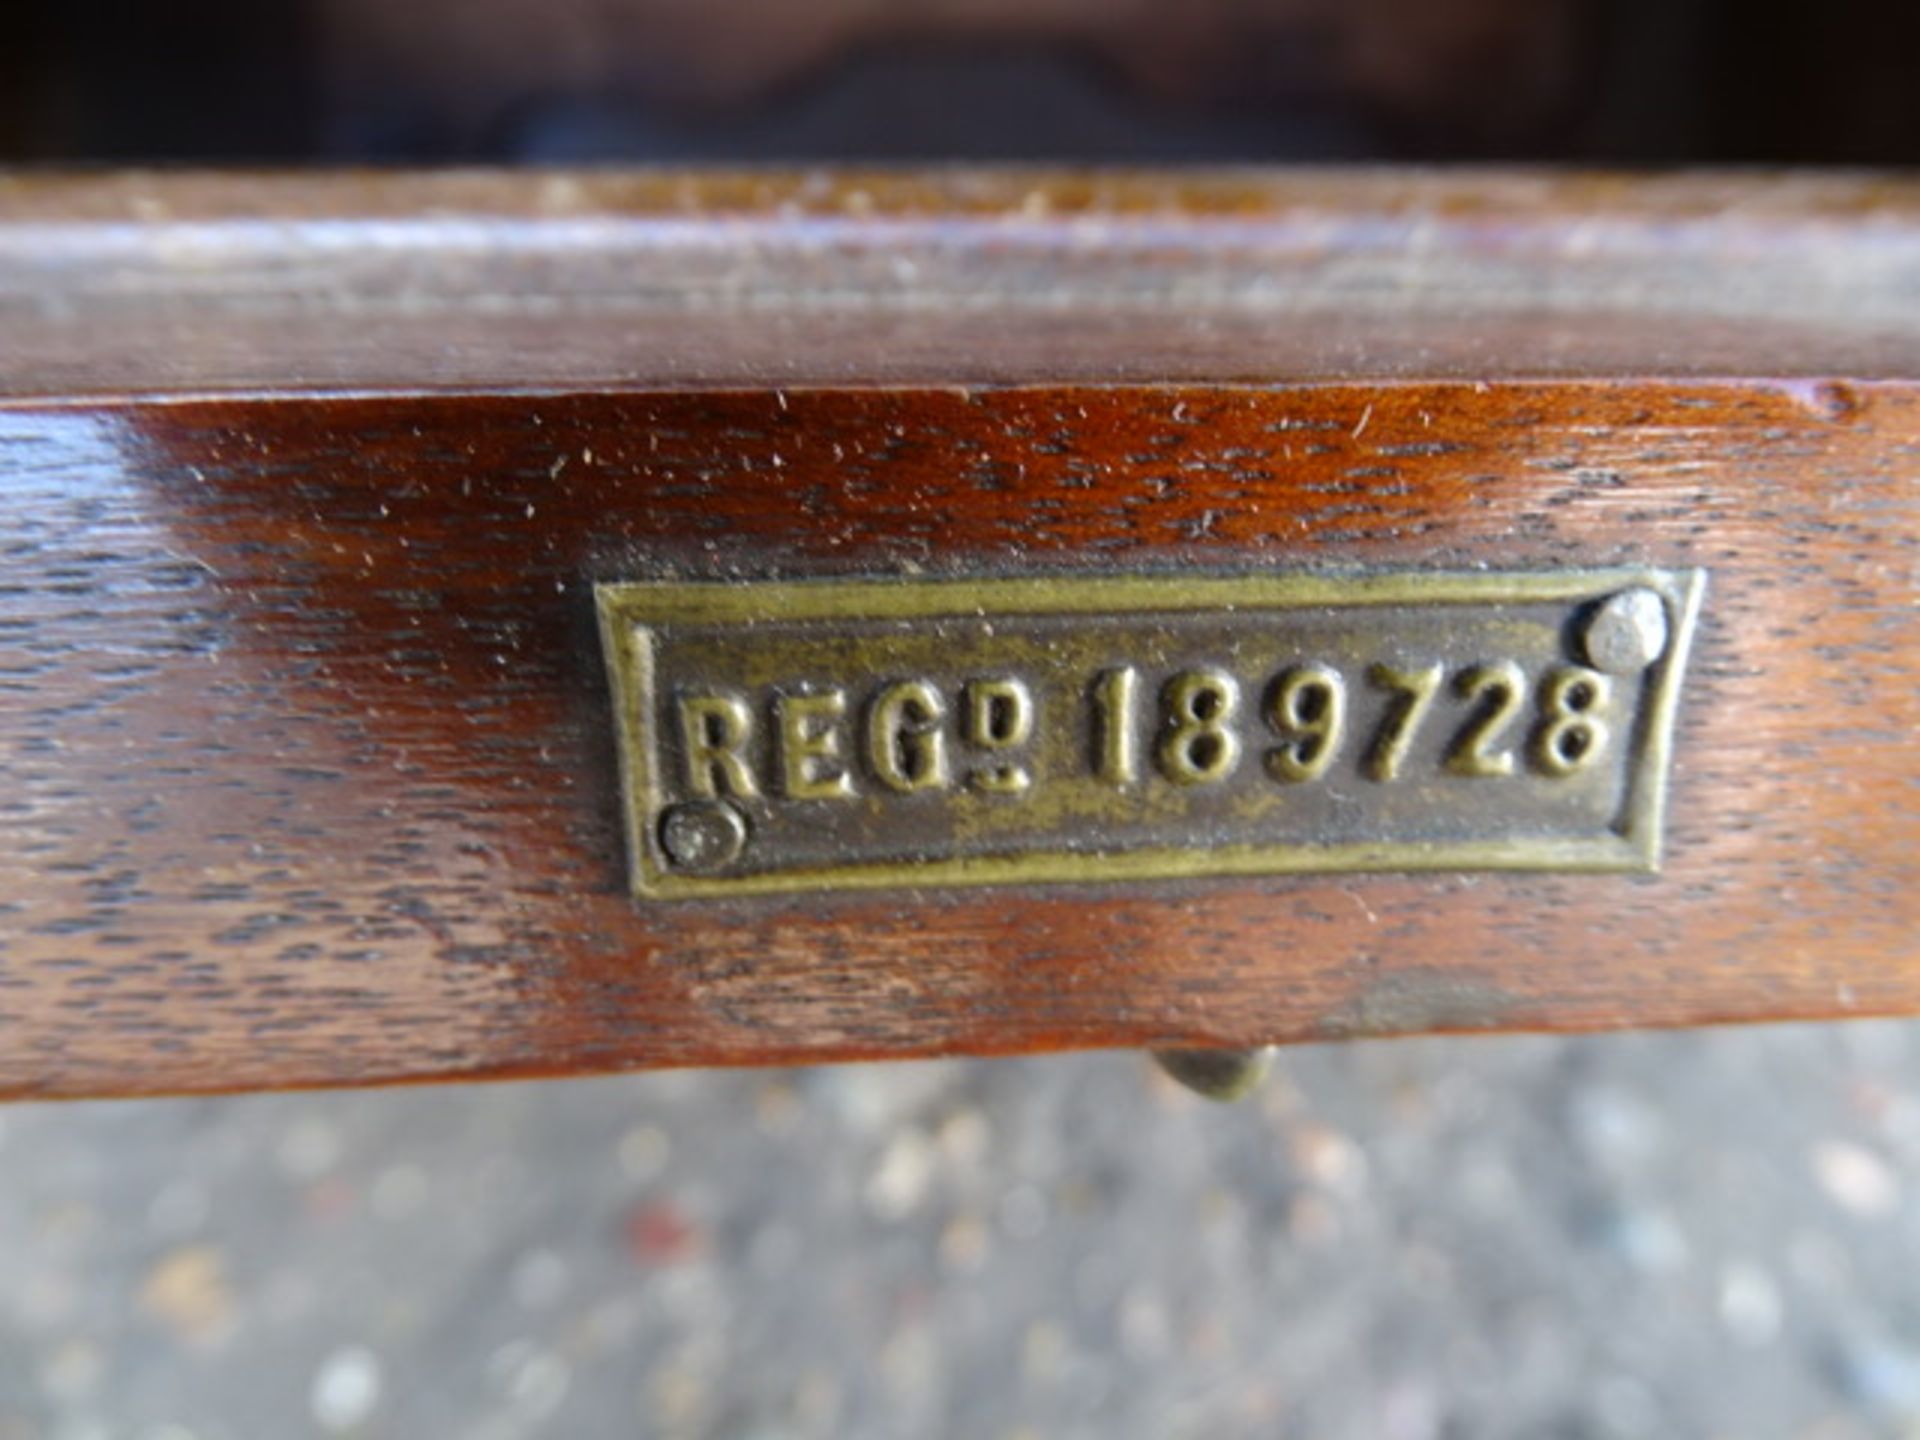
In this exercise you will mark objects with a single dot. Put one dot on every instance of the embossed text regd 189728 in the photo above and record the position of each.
(786, 736)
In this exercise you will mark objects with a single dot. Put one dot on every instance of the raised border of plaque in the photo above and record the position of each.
(1070, 729)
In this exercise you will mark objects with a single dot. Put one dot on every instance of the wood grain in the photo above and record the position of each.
(306, 765)
(187, 284)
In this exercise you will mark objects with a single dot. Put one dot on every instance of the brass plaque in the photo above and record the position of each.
(821, 735)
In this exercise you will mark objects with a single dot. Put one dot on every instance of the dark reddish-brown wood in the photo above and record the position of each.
(307, 771)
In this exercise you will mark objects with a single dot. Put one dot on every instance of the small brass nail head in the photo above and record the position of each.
(1627, 632)
(703, 835)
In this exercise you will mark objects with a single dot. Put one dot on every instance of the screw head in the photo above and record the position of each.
(1626, 632)
(702, 835)
(1218, 1074)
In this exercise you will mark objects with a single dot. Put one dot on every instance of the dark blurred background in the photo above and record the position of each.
(466, 81)
(1704, 1234)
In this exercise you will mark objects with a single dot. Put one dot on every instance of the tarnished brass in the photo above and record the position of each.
(808, 735)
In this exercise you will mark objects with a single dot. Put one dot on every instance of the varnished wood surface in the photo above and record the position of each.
(307, 774)
(184, 284)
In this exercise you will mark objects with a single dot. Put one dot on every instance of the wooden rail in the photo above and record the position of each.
(307, 765)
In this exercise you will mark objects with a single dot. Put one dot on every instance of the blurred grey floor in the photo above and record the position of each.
(1707, 1234)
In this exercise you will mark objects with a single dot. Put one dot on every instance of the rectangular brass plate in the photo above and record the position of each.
(824, 735)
